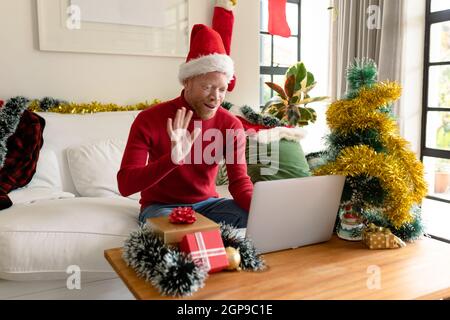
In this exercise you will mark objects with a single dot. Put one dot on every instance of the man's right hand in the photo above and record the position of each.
(180, 138)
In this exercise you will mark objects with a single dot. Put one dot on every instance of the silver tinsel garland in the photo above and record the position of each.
(10, 115)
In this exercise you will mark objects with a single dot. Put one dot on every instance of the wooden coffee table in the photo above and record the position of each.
(336, 269)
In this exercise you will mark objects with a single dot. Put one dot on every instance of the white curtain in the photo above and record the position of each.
(366, 28)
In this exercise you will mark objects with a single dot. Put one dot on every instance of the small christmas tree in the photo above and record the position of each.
(384, 181)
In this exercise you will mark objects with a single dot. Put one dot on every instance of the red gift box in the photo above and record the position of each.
(207, 249)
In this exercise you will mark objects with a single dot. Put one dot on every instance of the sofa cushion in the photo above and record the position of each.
(33, 194)
(47, 171)
(40, 240)
(94, 168)
(68, 130)
(289, 163)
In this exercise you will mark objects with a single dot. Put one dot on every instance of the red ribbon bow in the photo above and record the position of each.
(182, 215)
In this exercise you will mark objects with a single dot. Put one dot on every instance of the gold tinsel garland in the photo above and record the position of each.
(362, 159)
(92, 107)
(399, 172)
(362, 112)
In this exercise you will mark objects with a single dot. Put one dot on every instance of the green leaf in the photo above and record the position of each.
(313, 113)
(301, 74)
(310, 100)
(310, 87)
(294, 100)
(275, 108)
(302, 123)
(303, 85)
(289, 86)
(292, 71)
(280, 114)
(275, 100)
(306, 114)
(293, 115)
(277, 89)
(310, 79)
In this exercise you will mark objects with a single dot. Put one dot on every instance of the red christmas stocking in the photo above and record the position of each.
(222, 22)
(278, 25)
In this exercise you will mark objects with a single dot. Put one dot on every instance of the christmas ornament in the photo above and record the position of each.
(250, 258)
(182, 215)
(351, 225)
(278, 25)
(234, 258)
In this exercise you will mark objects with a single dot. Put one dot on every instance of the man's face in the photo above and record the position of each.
(205, 93)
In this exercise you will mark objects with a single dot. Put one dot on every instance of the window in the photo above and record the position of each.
(277, 53)
(435, 135)
(309, 22)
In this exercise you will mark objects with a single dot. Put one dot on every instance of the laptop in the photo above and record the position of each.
(291, 213)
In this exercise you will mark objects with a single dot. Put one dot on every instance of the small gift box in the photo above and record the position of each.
(380, 238)
(172, 233)
(207, 249)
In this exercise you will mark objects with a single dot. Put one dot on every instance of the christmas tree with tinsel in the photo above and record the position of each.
(385, 181)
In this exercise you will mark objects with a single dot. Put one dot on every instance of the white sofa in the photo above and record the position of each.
(71, 211)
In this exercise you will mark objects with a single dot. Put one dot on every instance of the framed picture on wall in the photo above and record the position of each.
(136, 27)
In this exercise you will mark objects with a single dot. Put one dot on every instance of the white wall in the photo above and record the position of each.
(412, 72)
(122, 79)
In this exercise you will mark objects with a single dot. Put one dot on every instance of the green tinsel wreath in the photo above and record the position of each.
(258, 118)
(174, 273)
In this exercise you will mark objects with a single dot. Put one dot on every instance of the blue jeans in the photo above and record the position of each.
(216, 209)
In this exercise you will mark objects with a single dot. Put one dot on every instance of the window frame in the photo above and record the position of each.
(430, 19)
(274, 70)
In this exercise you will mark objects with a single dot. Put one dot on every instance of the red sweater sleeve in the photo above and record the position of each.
(240, 185)
(135, 174)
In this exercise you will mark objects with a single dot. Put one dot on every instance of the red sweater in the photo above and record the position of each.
(147, 166)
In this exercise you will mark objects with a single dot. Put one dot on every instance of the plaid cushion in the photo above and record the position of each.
(23, 153)
(5, 201)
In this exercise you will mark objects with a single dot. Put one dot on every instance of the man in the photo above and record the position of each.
(168, 153)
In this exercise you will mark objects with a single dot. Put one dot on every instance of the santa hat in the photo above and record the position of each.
(207, 54)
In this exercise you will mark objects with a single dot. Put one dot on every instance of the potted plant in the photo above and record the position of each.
(442, 176)
(290, 103)
(279, 132)
(442, 171)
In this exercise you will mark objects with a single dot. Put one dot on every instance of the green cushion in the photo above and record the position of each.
(291, 163)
